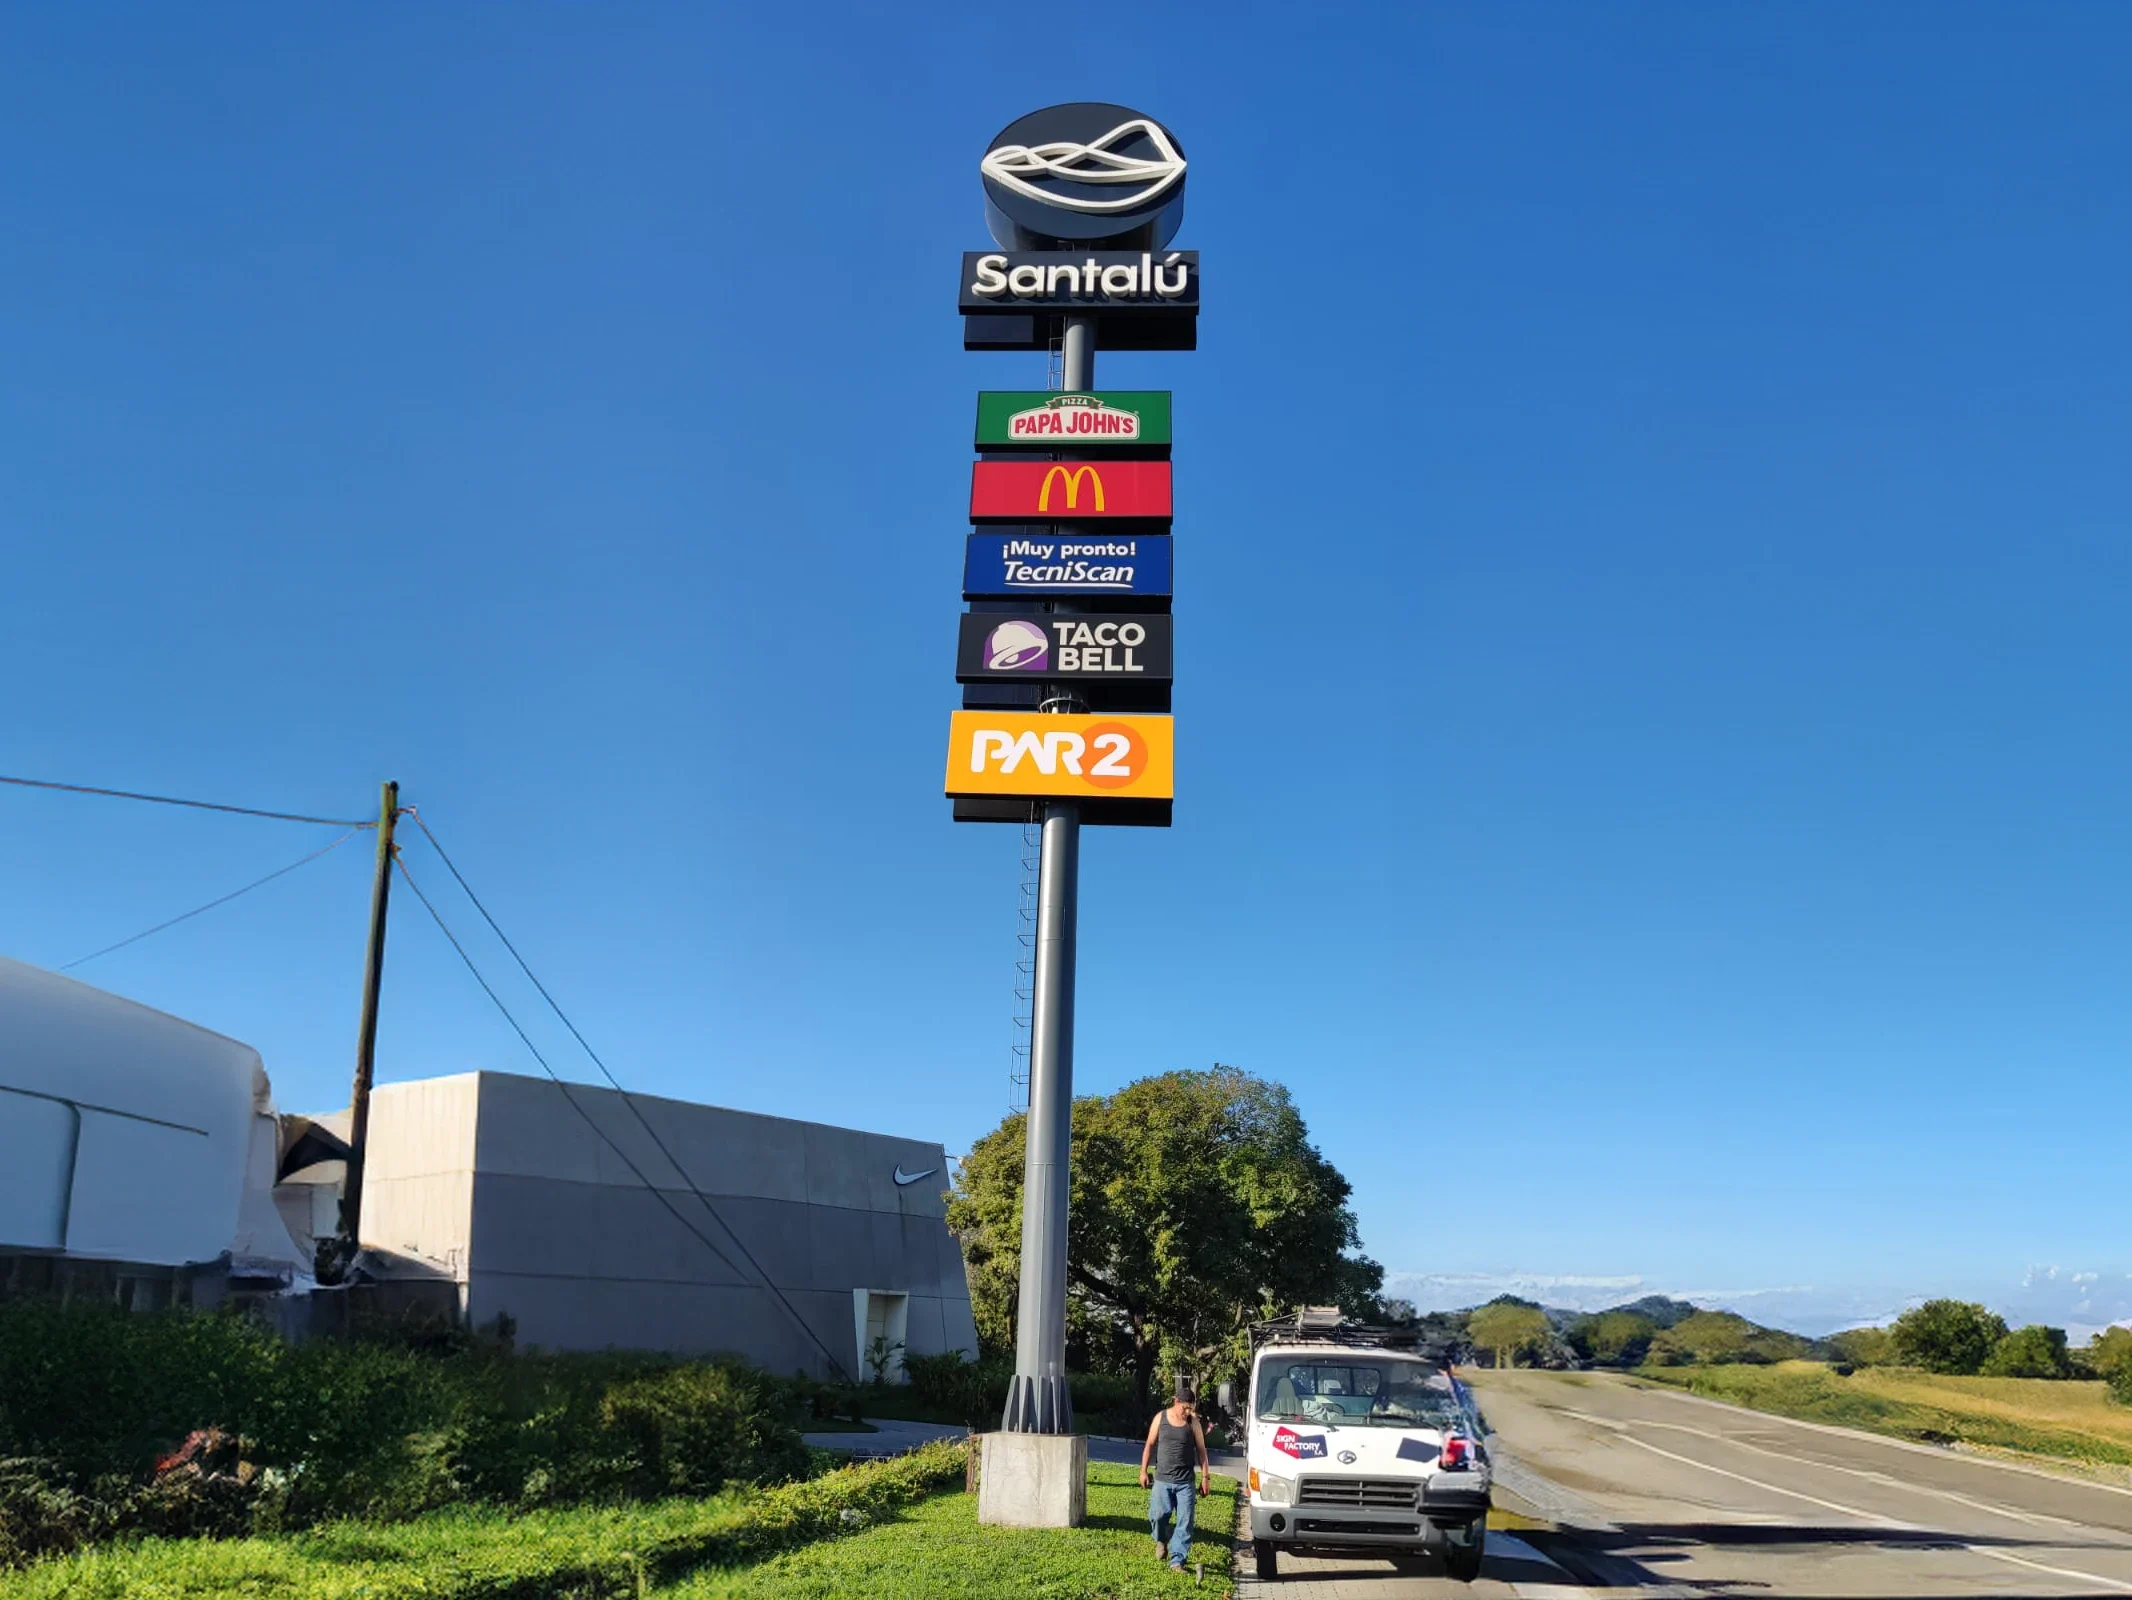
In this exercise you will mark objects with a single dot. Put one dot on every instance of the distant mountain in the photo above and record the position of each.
(2081, 1301)
(1659, 1308)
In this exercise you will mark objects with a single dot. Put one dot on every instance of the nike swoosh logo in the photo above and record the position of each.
(903, 1178)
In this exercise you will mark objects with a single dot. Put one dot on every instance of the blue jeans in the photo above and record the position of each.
(1172, 1503)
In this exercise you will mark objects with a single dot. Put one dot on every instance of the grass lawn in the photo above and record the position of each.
(934, 1550)
(2039, 1416)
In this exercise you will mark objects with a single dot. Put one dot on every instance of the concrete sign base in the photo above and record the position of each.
(1033, 1480)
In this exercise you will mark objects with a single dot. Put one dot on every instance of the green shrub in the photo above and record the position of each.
(97, 1404)
(1863, 1347)
(694, 1429)
(952, 1385)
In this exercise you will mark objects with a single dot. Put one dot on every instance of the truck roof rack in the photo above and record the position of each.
(1325, 1325)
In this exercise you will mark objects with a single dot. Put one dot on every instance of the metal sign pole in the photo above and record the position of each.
(1038, 1401)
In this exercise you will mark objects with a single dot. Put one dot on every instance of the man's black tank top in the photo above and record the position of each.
(1175, 1455)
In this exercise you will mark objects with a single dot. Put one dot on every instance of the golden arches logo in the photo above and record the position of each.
(1073, 476)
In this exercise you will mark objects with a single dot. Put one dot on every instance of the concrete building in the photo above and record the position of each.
(560, 1209)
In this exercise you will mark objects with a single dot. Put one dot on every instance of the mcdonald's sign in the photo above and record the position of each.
(1069, 491)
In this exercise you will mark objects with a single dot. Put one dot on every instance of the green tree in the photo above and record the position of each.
(1198, 1205)
(1509, 1328)
(1616, 1338)
(1864, 1347)
(1951, 1336)
(2030, 1352)
(2109, 1354)
(1723, 1338)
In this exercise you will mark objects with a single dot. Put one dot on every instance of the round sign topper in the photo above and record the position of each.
(1087, 175)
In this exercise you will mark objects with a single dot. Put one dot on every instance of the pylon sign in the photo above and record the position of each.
(1069, 572)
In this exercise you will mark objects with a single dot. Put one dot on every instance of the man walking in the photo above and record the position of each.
(1174, 1441)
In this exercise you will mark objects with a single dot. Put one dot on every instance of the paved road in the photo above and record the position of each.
(1513, 1571)
(1686, 1497)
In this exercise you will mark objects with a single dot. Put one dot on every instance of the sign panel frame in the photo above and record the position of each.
(1129, 647)
(1033, 490)
(1040, 562)
(1025, 419)
(1019, 755)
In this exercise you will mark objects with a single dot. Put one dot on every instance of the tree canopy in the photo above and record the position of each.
(1510, 1328)
(2031, 1352)
(1198, 1205)
(1950, 1336)
(1615, 1338)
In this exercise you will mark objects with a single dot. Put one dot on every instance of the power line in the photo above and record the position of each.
(222, 901)
(586, 1045)
(196, 805)
(642, 1177)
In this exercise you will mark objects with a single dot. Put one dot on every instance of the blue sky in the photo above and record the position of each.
(1653, 582)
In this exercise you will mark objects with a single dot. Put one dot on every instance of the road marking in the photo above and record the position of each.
(1501, 1546)
(2114, 1585)
(2032, 1517)
(1939, 1452)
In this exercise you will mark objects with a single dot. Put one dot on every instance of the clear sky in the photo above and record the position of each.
(1653, 683)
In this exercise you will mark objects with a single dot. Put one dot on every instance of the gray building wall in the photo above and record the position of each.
(500, 1182)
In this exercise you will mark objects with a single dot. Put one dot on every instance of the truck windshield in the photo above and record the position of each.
(1357, 1391)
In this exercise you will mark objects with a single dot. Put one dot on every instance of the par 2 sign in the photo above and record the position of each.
(1020, 754)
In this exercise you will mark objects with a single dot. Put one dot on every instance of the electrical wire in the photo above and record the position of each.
(222, 901)
(196, 805)
(533, 1049)
(627, 1100)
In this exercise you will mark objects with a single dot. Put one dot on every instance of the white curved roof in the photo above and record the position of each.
(124, 1133)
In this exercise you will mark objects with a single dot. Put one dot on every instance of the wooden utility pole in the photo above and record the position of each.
(366, 1035)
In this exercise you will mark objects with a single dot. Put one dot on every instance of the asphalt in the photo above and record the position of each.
(1677, 1496)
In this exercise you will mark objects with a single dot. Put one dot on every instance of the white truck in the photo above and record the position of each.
(1362, 1443)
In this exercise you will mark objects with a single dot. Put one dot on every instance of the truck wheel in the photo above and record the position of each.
(1264, 1558)
(1463, 1560)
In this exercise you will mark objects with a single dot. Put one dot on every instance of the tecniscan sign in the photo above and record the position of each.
(1110, 281)
(1061, 757)
(1006, 566)
(997, 646)
(1040, 419)
(1030, 491)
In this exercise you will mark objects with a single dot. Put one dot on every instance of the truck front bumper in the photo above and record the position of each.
(1437, 1522)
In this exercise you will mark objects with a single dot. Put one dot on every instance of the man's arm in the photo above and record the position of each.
(1206, 1471)
(1147, 1450)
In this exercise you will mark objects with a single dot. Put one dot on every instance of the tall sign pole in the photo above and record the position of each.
(1066, 653)
(1039, 1400)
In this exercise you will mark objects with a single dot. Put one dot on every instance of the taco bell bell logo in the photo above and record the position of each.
(1017, 647)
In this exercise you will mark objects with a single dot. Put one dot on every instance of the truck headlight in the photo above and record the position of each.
(1273, 1491)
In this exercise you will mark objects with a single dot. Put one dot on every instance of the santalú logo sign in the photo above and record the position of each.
(1060, 757)
(1036, 420)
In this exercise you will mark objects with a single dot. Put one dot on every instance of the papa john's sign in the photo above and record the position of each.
(1079, 491)
(1037, 419)
(1024, 755)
